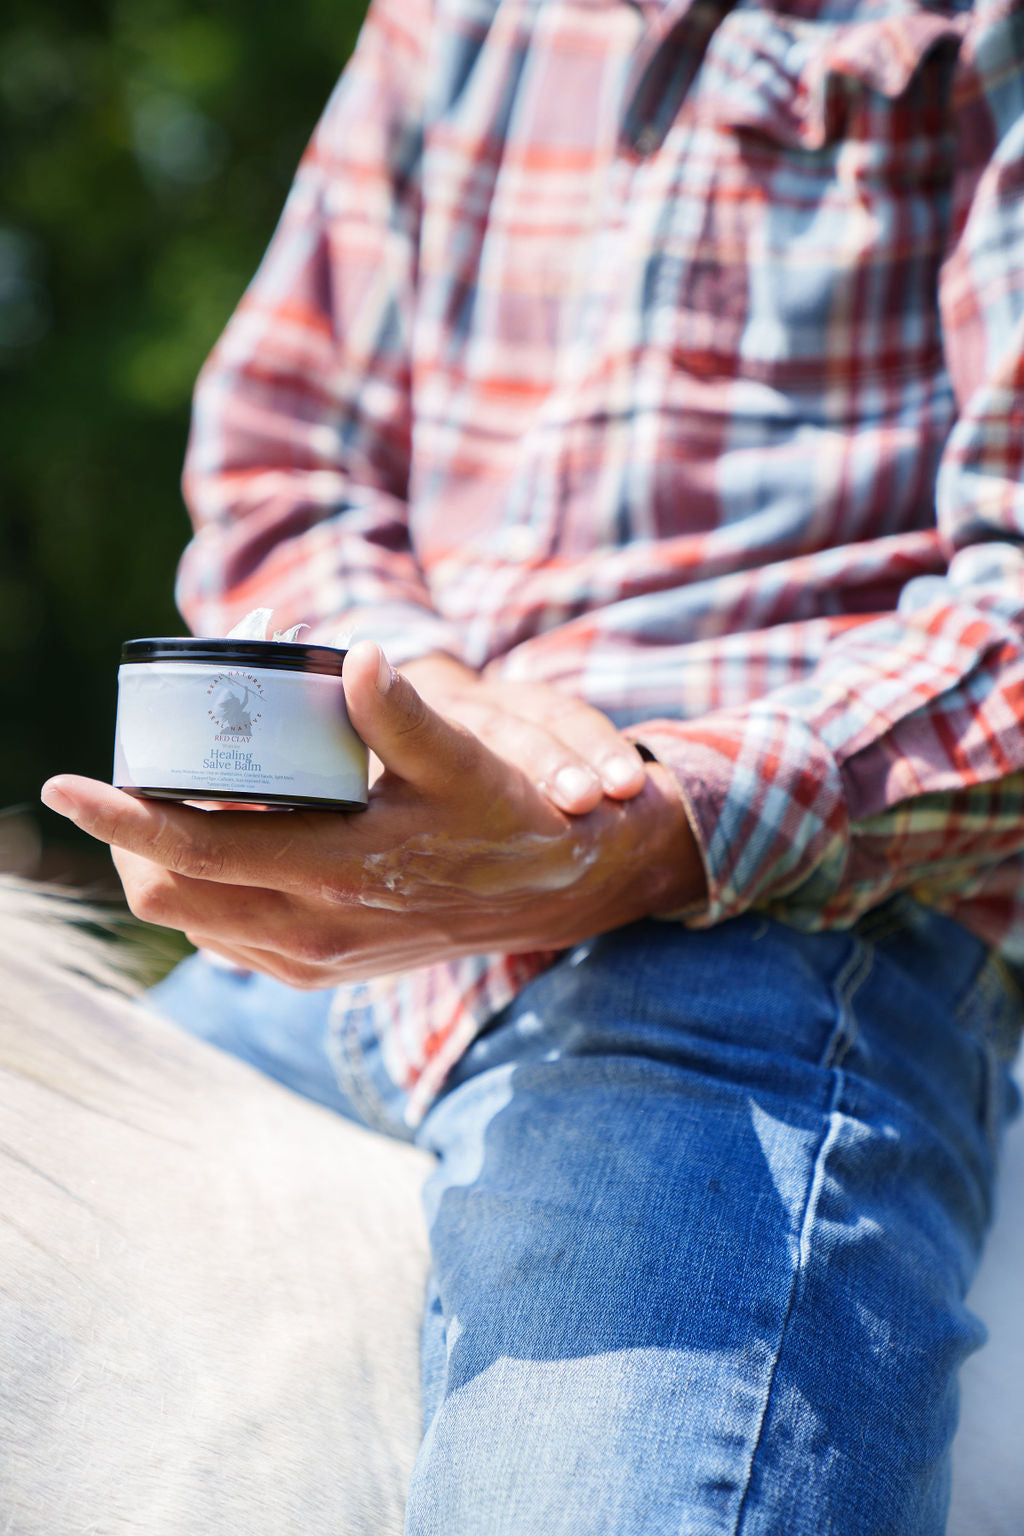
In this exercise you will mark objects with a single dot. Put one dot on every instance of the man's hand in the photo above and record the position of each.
(568, 749)
(457, 853)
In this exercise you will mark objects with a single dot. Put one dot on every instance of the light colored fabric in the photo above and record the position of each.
(210, 1290)
(988, 1453)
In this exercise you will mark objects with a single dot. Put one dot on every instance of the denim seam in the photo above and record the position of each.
(852, 976)
(348, 1062)
(849, 981)
(810, 1205)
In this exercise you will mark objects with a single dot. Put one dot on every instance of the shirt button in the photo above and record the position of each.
(647, 140)
(519, 542)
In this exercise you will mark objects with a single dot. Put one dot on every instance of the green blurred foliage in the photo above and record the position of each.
(146, 147)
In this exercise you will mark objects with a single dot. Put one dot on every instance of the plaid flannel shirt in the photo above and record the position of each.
(672, 352)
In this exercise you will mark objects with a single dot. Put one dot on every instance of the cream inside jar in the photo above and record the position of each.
(253, 721)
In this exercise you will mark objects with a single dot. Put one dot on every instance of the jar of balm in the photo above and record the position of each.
(252, 721)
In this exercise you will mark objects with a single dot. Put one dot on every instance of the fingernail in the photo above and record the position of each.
(573, 783)
(386, 674)
(56, 800)
(620, 772)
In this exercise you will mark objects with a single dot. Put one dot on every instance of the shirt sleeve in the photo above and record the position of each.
(898, 763)
(297, 468)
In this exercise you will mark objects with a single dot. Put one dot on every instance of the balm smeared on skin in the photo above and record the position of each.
(421, 871)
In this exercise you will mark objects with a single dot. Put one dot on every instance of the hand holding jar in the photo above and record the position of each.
(457, 853)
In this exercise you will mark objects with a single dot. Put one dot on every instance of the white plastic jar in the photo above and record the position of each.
(254, 721)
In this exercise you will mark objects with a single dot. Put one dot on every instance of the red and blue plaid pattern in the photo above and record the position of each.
(672, 352)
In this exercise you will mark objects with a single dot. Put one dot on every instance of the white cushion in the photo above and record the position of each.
(210, 1290)
(988, 1453)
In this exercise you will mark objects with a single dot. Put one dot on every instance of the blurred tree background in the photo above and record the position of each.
(146, 147)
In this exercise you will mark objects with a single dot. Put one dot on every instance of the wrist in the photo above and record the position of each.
(674, 874)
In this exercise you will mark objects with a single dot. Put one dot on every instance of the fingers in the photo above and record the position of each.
(570, 750)
(410, 738)
(236, 914)
(587, 737)
(294, 973)
(258, 930)
(282, 936)
(234, 848)
(558, 771)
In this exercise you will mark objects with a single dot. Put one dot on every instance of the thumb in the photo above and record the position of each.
(411, 740)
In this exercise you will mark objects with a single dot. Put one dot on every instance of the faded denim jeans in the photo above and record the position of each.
(704, 1211)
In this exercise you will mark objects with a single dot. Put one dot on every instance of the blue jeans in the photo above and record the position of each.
(704, 1211)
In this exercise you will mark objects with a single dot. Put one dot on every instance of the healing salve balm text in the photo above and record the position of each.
(255, 721)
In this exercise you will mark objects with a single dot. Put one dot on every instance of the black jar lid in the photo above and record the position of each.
(283, 655)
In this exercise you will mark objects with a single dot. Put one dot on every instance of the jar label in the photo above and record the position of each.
(188, 727)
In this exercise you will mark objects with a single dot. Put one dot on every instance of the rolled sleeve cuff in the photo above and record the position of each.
(765, 801)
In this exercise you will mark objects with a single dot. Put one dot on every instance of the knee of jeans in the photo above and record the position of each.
(695, 998)
(523, 1448)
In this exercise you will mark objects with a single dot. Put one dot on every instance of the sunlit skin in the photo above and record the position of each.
(461, 850)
